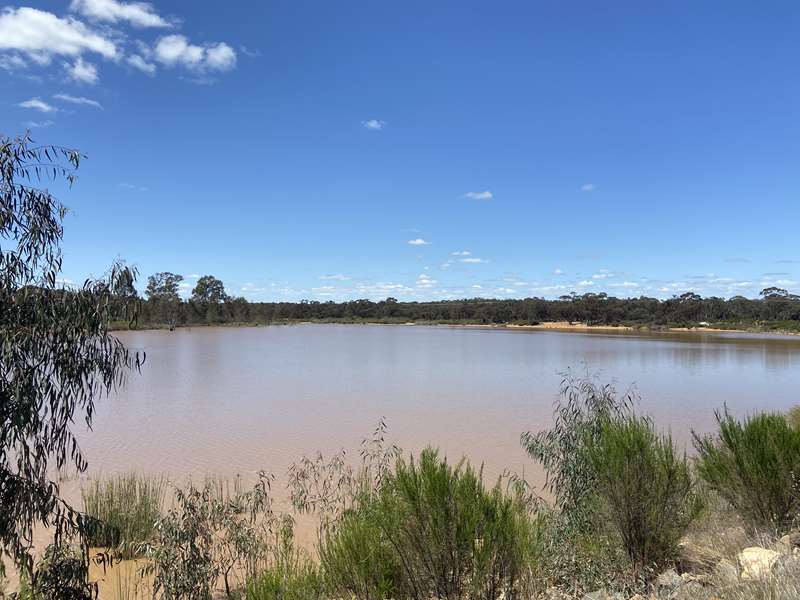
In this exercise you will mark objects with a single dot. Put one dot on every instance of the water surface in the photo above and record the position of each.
(236, 400)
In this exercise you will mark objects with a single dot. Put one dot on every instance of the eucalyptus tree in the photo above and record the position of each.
(209, 289)
(57, 357)
(164, 286)
(162, 293)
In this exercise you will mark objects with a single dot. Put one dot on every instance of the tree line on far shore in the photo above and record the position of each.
(775, 308)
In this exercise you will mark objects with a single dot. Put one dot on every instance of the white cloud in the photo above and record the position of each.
(374, 124)
(587, 187)
(175, 50)
(418, 242)
(423, 281)
(138, 14)
(40, 35)
(38, 104)
(474, 261)
(138, 62)
(250, 52)
(557, 271)
(461, 253)
(486, 195)
(136, 188)
(37, 124)
(78, 100)
(603, 274)
(12, 62)
(336, 277)
(82, 71)
(220, 57)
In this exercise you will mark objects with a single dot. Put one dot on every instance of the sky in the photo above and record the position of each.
(420, 150)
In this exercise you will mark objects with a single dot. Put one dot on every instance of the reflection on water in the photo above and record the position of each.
(228, 400)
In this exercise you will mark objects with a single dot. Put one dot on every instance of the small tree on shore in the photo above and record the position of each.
(56, 354)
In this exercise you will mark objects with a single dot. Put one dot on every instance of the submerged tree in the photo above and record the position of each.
(162, 293)
(56, 354)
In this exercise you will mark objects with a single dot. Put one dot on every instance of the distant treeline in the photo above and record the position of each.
(775, 309)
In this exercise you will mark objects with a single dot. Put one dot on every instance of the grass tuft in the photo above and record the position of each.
(125, 511)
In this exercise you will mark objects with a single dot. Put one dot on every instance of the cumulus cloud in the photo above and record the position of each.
(176, 50)
(38, 104)
(423, 281)
(485, 195)
(558, 271)
(474, 261)
(138, 14)
(588, 187)
(81, 71)
(138, 62)
(12, 62)
(80, 100)
(418, 242)
(603, 274)
(461, 253)
(40, 35)
(30, 37)
(374, 124)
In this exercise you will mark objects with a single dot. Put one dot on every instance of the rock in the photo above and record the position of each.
(726, 573)
(788, 543)
(787, 565)
(755, 563)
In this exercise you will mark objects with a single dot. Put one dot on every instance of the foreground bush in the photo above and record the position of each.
(288, 574)
(124, 512)
(755, 466)
(432, 530)
(209, 535)
(584, 405)
(644, 489)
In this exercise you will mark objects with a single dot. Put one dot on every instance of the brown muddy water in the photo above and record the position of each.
(237, 400)
(228, 401)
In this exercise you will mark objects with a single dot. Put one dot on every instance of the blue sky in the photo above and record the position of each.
(330, 150)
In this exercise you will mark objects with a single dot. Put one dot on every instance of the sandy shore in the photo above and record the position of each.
(567, 326)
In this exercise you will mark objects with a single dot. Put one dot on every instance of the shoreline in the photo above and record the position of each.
(563, 326)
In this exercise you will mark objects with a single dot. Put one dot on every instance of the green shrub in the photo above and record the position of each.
(432, 530)
(644, 489)
(356, 556)
(583, 406)
(278, 584)
(755, 466)
(61, 574)
(123, 512)
(289, 573)
(209, 536)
